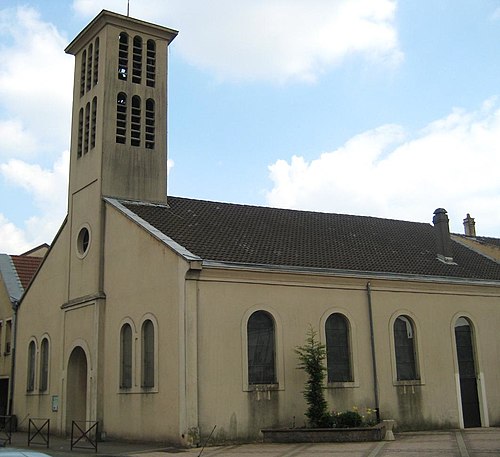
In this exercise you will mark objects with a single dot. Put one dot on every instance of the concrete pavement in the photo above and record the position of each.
(480, 442)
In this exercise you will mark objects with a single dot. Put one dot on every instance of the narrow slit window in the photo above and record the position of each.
(137, 60)
(86, 135)
(80, 133)
(30, 386)
(89, 66)
(123, 56)
(150, 123)
(82, 73)
(135, 122)
(94, 123)
(96, 61)
(148, 354)
(126, 357)
(151, 63)
(121, 118)
(44, 365)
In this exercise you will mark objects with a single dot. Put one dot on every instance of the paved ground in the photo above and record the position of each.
(455, 443)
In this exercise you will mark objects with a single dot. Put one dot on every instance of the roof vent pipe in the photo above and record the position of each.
(443, 239)
(469, 226)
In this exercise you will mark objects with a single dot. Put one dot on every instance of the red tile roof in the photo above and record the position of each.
(26, 267)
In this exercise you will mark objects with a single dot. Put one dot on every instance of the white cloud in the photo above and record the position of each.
(48, 189)
(452, 163)
(277, 40)
(16, 140)
(35, 83)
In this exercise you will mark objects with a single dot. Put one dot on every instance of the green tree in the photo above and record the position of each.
(312, 356)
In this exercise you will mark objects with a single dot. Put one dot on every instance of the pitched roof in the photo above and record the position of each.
(244, 234)
(26, 267)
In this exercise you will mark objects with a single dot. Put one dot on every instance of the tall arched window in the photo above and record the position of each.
(83, 72)
(80, 133)
(126, 357)
(338, 352)
(148, 354)
(135, 121)
(137, 60)
(89, 66)
(44, 365)
(96, 61)
(30, 385)
(123, 56)
(404, 342)
(150, 123)
(261, 348)
(121, 118)
(93, 123)
(86, 134)
(151, 63)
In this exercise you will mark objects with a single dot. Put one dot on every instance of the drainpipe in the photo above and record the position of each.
(374, 360)
(15, 307)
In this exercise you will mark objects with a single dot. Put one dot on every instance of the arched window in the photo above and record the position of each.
(148, 354)
(261, 348)
(44, 365)
(123, 56)
(135, 121)
(121, 118)
(404, 342)
(83, 72)
(151, 63)
(150, 123)
(89, 66)
(30, 385)
(338, 351)
(96, 61)
(80, 133)
(126, 357)
(137, 60)
(86, 135)
(93, 123)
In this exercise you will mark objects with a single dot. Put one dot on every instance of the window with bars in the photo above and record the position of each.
(404, 342)
(135, 121)
(89, 66)
(86, 133)
(83, 72)
(137, 60)
(30, 386)
(121, 118)
(126, 357)
(261, 348)
(151, 63)
(148, 354)
(96, 61)
(123, 56)
(93, 126)
(80, 133)
(338, 353)
(44, 365)
(150, 123)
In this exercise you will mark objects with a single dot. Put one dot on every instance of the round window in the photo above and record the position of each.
(83, 241)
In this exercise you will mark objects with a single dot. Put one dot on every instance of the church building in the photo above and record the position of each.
(161, 317)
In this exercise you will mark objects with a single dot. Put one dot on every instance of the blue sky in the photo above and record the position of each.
(375, 107)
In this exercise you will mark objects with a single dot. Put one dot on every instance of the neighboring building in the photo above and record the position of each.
(16, 272)
(168, 316)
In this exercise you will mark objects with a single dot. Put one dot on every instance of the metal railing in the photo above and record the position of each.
(39, 428)
(85, 432)
(6, 425)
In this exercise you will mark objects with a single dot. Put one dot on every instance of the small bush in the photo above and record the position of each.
(347, 419)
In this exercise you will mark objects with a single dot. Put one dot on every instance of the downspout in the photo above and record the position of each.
(374, 359)
(15, 307)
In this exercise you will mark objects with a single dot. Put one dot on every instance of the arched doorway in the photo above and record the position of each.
(467, 373)
(76, 387)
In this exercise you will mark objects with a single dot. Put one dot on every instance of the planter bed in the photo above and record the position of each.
(324, 435)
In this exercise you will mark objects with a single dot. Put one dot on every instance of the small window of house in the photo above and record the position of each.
(338, 353)
(135, 122)
(123, 56)
(121, 118)
(44, 365)
(151, 63)
(150, 123)
(148, 354)
(261, 348)
(30, 386)
(83, 241)
(404, 342)
(137, 60)
(8, 336)
(126, 357)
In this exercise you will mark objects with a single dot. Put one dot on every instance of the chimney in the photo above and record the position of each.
(469, 226)
(443, 239)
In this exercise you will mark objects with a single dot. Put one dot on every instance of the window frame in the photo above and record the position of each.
(31, 367)
(44, 366)
(121, 383)
(343, 346)
(154, 386)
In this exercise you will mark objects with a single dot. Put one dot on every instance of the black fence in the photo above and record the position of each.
(39, 429)
(85, 433)
(7, 426)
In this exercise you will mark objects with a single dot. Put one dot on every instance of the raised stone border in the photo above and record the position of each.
(324, 435)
